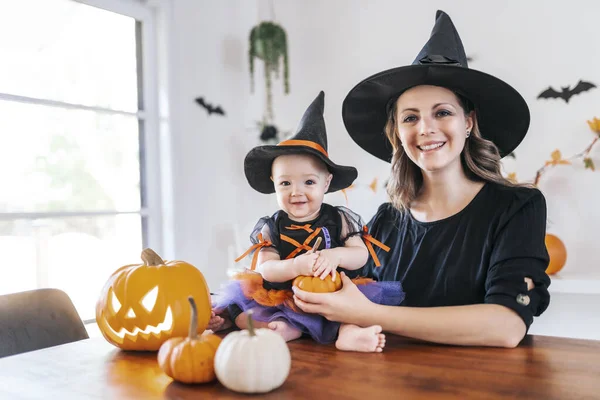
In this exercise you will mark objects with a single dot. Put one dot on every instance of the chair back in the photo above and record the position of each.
(38, 319)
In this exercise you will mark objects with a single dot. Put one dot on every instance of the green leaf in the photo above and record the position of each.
(589, 163)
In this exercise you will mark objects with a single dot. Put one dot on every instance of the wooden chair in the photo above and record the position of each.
(38, 319)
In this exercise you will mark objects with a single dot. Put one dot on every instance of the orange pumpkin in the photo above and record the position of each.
(557, 252)
(143, 305)
(190, 359)
(317, 285)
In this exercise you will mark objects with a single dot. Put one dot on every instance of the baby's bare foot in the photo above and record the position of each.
(286, 331)
(355, 338)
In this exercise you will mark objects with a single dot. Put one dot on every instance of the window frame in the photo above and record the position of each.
(153, 129)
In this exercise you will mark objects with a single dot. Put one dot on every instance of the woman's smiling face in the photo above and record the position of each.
(432, 127)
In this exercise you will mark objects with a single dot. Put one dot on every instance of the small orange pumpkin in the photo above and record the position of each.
(190, 359)
(558, 253)
(315, 284)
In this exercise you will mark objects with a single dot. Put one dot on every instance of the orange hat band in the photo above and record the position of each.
(307, 143)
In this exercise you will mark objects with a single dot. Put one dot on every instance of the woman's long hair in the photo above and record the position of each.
(480, 159)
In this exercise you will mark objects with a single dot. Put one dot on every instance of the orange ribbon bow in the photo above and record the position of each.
(370, 239)
(261, 243)
(294, 227)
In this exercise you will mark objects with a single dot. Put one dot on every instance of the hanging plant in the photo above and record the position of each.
(268, 42)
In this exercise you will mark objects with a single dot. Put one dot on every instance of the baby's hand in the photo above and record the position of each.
(304, 263)
(218, 323)
(326, 264)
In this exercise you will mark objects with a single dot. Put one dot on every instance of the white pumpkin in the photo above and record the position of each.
(253, 360)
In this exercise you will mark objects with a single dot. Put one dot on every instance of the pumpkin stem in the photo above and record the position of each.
(149, 257)
(194, 322)
(250, 323)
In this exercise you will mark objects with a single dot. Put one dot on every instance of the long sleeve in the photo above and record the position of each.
(519, 252)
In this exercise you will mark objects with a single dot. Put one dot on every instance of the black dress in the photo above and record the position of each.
(480, 255)
(329, 223)
(286, 234)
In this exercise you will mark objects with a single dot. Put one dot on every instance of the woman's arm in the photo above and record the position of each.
(471, 325)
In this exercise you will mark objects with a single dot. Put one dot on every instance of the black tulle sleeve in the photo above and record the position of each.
(352, 224)
(267, 228)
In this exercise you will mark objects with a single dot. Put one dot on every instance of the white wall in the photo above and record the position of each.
(332, 46)
(207, 58)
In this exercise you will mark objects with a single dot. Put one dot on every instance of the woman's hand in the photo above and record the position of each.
(348, 305)
(326, 264)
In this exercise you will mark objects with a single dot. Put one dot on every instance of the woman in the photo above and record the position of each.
(467, 245)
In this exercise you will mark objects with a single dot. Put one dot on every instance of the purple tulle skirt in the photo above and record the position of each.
(316, 326)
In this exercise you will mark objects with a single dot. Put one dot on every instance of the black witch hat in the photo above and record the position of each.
(502, 113)
(310, 138)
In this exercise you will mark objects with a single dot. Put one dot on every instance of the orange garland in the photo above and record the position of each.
(556, 157)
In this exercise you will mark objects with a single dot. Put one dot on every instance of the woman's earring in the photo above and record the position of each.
(468, 133)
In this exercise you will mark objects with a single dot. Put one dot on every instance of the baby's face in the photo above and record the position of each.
(301, 182)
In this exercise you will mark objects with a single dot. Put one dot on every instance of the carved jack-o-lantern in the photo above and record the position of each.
(143, 305)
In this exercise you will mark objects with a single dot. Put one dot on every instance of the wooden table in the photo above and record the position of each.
(541, 368)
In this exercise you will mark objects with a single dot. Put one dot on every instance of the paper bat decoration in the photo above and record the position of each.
(566, 92)
(209, 107)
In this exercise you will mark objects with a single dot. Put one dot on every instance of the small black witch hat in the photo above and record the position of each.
(310, 138)
(502, 113)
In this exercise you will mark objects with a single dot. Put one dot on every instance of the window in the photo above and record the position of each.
(77, 117)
